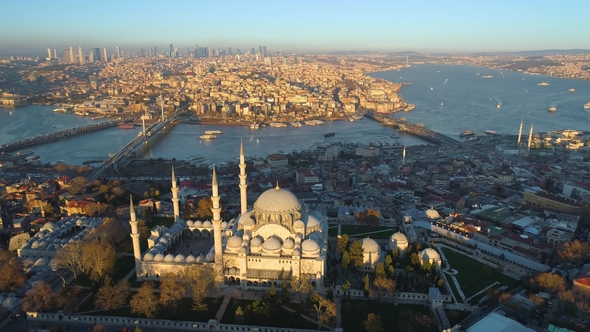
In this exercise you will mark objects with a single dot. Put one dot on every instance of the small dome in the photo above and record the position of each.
(432, 213)
(234, 242)
(370, 245)
(169, 258)
(35, 245)
(398, 237)
(247, 221)
(49, 226)
(312, 222)
(298, 224)
(159, 258)
(148, 257)
(190, 259)
(224, 225)
(256, 242)
(309, 246)
(289, 244)
(207, 224)
(277, 200)
(296, 252)
(198, 223)
(429, 253)
(179, 258)
(271, 244)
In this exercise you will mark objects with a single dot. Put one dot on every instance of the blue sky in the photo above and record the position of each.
(296, 26)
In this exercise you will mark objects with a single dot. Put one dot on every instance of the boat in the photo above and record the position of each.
(357, 117)
(254, 126)
(543, 83)
(278, 125)
(208, 136)
(431, 88)
(394, 135)
(476, 74)
(23, 153)
(329, 134)
(296, 124)
(213, 132)
(442, 104)
(552, 109)
(467, 133)
(491, 132)
(127, 126)
(314, 122)
(571, 90)
(487, 76)
(60, 110)
(499, 105)
(587, 106)
(98, 117)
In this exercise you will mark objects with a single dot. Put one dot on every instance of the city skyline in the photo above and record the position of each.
(309, 27)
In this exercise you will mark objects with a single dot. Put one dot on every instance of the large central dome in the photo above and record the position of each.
(277, 200)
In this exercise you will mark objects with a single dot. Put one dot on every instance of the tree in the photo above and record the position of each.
(346, 286)
(239, 315)
(76, 185)
(368, 217)
(99, 328)
(366, 283)
(380, 270)
(575, 252)
(388, 261)
(69, 257)
(11, 271)
(324, 308)
(373, 323)
(301, 285)
(441, 282)
(204, 208)
(356, 253)
(342, 243)
(109, 297)
(415, 259)
(145, 302)
(385, 284)
(39, 298)
(390, 271)
(272, 291)
(550, 282)
(426, 264)
(201, 279)
(172, 290)
(345, 259)
(98, 258)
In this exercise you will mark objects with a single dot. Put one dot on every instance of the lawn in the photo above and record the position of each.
(454, 288)
(456, 316)
(279, 318)
(474, 276)
(401, 317)
(123, 265)
(360, 231)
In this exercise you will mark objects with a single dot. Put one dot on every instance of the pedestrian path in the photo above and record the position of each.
(222, 308)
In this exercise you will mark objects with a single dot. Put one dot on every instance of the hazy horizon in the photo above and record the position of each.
(424, 26)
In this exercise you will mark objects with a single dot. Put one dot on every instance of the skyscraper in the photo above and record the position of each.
(81, 56)
(54, 53)
(105, 57)
(69, 55)
(229, 51)
(142, 52)
(155, 51)
(95, 54)
(118, 52)
(252, 51)
(48, 53)
(264, 50)
(150, 53)
(259, 49)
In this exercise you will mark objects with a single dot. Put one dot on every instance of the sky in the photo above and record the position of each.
(429, 26)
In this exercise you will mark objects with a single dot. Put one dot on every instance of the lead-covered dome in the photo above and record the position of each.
(271, 244)
(430, 255)
(432, 213)
(277, 200)
(398, 240)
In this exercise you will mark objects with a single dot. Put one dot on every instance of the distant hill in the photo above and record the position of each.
(537, 52)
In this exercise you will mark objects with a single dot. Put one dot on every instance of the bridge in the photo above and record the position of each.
(414, 129)
(128, 149)
(41, 139)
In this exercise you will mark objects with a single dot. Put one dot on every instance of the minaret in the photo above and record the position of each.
(143, 126)
(134, 232)
(175, 197)
(530, 138)
(162, 108)
(520, 131)
(404, 155)
(216, 220)
(243, 184)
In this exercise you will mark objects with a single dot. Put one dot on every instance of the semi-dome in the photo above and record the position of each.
(234, 242)
(370, 245)
(298, 224)
(432, 213)
(271, 244)
(277, 200)
(309, 246)
(312, 222)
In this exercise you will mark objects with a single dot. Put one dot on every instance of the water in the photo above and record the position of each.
(469, 103)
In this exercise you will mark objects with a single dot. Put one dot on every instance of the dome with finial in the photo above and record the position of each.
(277, 200)
(432, 213)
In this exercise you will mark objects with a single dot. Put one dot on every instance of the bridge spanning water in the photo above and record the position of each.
(41, 139)
(129, 148)
(414, 129)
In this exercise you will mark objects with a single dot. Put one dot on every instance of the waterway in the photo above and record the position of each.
(470, 102)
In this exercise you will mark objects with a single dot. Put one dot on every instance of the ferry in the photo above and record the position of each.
(208, 136)
(587, 106)
(543, 83)
(213, 132)
(394, 135)
(467, 133)
(278, 125)
(23, 153)
(491, 132)
(499, 105)
(487, 76)
(330, 134)
(60, 110)
(552, 109)
(98, 117)
(255, 126)
(127, 126)
(571, 90)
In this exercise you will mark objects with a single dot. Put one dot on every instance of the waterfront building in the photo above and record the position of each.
(278, 239)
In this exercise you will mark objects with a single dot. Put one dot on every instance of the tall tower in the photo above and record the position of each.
(175, 196)
(105, 56)
(216, 220)
(243, 184)
(80, 55)
(530, 138)
(520, 131)
(134, 232)
(404, 155)
(48, 53)
(118, 52)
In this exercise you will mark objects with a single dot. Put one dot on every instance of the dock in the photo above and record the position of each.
(414, 129)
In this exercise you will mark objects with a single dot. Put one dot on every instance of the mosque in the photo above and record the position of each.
(278, 239)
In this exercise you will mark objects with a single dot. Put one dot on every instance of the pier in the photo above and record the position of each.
(414, 129)
(41, 139)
